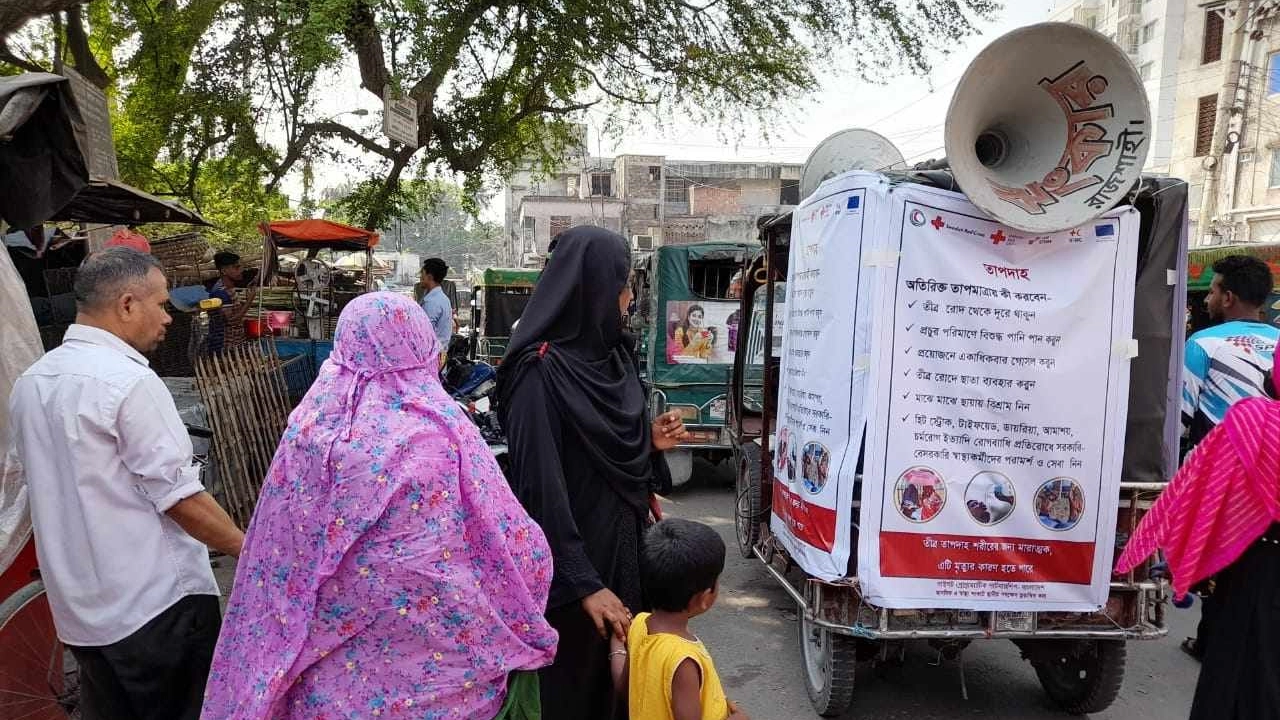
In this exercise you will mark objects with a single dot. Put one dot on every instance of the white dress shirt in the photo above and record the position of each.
(105, 455)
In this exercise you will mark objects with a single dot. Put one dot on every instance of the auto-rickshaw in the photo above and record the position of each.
(1078, 657)
(687, 317)
(497, 302)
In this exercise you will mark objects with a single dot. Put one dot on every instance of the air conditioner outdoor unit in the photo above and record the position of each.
(642, 242)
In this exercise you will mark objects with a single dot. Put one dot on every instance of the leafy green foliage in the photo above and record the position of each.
(214, 97)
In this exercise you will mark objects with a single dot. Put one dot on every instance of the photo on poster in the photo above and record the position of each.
(920, 494)
(990, 498)
(815, 464)
(701, 332)
(1060, 504)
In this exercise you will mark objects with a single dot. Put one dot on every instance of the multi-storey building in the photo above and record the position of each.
(648, 198)
(1212, 73)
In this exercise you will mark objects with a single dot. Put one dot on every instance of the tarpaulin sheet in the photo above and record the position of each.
(114, 203)
(319, 234)
(1201, 260)
(41, 163)
(1155, 375)
(672, 291)
(20, 348)
(502, 308)
(516, 277)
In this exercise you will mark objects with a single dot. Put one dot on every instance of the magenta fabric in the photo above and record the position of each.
(388, 570)
(1222, 500)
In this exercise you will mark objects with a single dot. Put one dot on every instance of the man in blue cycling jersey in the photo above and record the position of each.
(1226, 363)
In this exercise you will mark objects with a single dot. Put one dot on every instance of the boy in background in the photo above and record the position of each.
(665, 667)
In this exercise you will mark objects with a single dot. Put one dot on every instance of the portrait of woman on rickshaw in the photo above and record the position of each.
(691, 338)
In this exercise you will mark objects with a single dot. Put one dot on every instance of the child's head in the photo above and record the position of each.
(681, 565)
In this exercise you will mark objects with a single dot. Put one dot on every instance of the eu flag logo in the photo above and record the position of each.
(1104, 230)
(854, 202)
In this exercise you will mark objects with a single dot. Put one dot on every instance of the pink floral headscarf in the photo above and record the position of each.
(388, 569)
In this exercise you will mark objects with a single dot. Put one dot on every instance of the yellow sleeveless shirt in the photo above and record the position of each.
(653, 662)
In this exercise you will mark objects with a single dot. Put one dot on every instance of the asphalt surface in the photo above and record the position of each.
(752, 635)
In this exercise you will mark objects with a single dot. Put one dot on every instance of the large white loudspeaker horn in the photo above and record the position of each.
(853, 149)
(1048, 128)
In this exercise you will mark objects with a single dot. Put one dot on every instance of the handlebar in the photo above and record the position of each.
(198, 431)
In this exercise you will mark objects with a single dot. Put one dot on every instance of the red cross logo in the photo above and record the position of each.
(937, 223)
(998, 237)
(1075, 232)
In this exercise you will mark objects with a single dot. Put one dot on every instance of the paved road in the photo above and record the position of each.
(752, 636)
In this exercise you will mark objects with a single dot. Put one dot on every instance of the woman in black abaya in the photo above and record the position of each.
(585, 460)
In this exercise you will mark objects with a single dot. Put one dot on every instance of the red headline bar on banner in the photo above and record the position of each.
(969, 557)
(812, 524)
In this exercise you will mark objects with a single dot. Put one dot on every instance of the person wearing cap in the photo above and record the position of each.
(231, 319)
(436, 303)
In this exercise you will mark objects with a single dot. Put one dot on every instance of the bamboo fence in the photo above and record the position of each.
(248, 402)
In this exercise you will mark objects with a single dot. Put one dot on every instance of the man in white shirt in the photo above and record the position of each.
(121, 519)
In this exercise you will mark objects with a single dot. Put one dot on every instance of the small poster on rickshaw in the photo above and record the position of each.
(702, 332)
(823, 390)
(1001, 369)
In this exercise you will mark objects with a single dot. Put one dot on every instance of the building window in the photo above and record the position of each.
(1274, 178)
(677, 190)
(560, 223)
(1144, 71)
(1149, 32)
(1273, 73)
(1091, 22)
(1206, 112)
(789, 192)
(655, 172)
(601, 185)
(712, 278)
(1213, 26)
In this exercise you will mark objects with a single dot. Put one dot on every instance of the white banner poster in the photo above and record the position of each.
(998, 412)
(822, 394)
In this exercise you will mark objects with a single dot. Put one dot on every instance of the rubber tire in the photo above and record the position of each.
(1104, 674)
(747, 507)
(839, 661)
(16, 602)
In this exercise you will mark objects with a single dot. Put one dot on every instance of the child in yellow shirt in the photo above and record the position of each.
(666, 669)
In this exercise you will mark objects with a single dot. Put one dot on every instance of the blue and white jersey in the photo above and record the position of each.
(1224, 364)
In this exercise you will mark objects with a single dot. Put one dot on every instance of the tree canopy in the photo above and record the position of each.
(215, 101)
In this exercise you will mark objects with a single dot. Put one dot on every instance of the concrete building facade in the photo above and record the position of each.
(1212, 73)
(649, 199)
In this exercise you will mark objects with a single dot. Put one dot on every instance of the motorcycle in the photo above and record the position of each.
(471, 384)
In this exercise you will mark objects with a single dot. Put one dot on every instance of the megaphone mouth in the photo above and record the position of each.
(991, 148)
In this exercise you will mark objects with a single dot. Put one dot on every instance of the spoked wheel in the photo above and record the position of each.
(1081, 676)
(829, 663)
(749, 513)
(38, 679)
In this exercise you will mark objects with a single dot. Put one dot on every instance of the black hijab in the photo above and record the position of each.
(572, 330)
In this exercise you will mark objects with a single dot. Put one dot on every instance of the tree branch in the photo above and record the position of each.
(78, 43)
(327, 127)
(362, 35)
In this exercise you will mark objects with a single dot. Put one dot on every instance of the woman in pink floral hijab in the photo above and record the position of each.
(388, 570)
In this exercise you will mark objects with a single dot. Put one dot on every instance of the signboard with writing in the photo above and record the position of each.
(1001, 369)
(400, 118)
(95, 132)
(822, 395)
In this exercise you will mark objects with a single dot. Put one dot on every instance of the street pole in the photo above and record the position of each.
(1207, 222)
